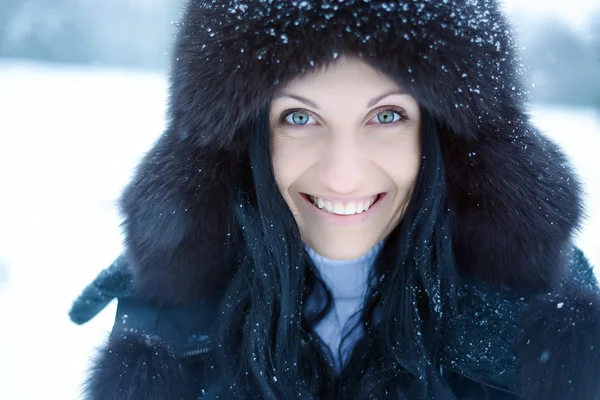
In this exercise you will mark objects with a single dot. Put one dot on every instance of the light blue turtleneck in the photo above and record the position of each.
(347, 281)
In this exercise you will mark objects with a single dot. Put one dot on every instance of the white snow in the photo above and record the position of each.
(69, 140)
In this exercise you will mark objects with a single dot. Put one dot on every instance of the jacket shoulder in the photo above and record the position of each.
(527, 344)
(558, 343)
(149, 351)
(137, 313)
(151, 354)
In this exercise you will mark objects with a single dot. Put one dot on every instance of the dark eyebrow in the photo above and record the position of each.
(301, 99)
(312, 104)
(383, 96)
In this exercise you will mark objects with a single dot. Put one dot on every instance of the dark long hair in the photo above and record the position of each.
(266, 346)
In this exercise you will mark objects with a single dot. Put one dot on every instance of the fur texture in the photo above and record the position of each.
(558, 348)
(136, 366)
(515, 195)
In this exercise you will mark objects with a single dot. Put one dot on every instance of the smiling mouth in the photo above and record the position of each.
(343, 208)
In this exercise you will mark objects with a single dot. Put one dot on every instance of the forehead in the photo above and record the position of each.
(345, 76)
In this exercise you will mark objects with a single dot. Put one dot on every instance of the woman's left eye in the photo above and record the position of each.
(386, 117)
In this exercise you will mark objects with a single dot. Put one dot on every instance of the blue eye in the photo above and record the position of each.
(386, 117)
(299, 118)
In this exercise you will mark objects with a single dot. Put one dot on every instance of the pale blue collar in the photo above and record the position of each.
(346, 278)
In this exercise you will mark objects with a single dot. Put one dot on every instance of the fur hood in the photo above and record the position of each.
(516, 199)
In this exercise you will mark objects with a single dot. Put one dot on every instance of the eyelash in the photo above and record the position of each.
(397, 110)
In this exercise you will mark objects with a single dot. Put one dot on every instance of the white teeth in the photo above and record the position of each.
(329, 206)
(360, 208)
(350, 209)
(342, 208)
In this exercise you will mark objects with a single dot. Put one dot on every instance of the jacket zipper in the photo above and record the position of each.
(480, 382)
(198, 352)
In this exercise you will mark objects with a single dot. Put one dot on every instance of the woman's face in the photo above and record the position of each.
(346, 152)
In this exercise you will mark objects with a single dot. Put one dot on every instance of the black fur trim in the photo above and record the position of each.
(178, 227)
(517, 204)
(558, 349)
(138, 367)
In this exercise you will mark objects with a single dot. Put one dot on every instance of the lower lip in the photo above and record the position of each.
(352, 219)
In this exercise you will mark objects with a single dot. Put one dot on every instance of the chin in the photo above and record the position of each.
(342, 250)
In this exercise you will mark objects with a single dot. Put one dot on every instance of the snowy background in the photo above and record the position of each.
(70, 137)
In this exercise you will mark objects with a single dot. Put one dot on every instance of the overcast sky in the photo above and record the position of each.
(575, 12)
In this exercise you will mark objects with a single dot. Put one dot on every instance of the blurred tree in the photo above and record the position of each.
(134, 33)
(55, 31)
(7, 12)
(595, 35)
(561, 65)
(595, 31)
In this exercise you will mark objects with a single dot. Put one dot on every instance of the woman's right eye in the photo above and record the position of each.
(300, 118)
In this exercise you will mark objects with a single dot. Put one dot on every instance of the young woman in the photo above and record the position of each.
(349, 202)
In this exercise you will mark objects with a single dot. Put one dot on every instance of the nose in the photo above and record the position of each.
(343, 165)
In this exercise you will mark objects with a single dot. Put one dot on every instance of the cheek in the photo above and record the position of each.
(288, 167)
(401, 163)
(289, 163)
(407, 170)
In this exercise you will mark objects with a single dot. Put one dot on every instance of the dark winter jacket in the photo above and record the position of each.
(165, 352)
(529, 322)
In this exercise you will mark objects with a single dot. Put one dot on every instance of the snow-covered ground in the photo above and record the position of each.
(69, 140)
